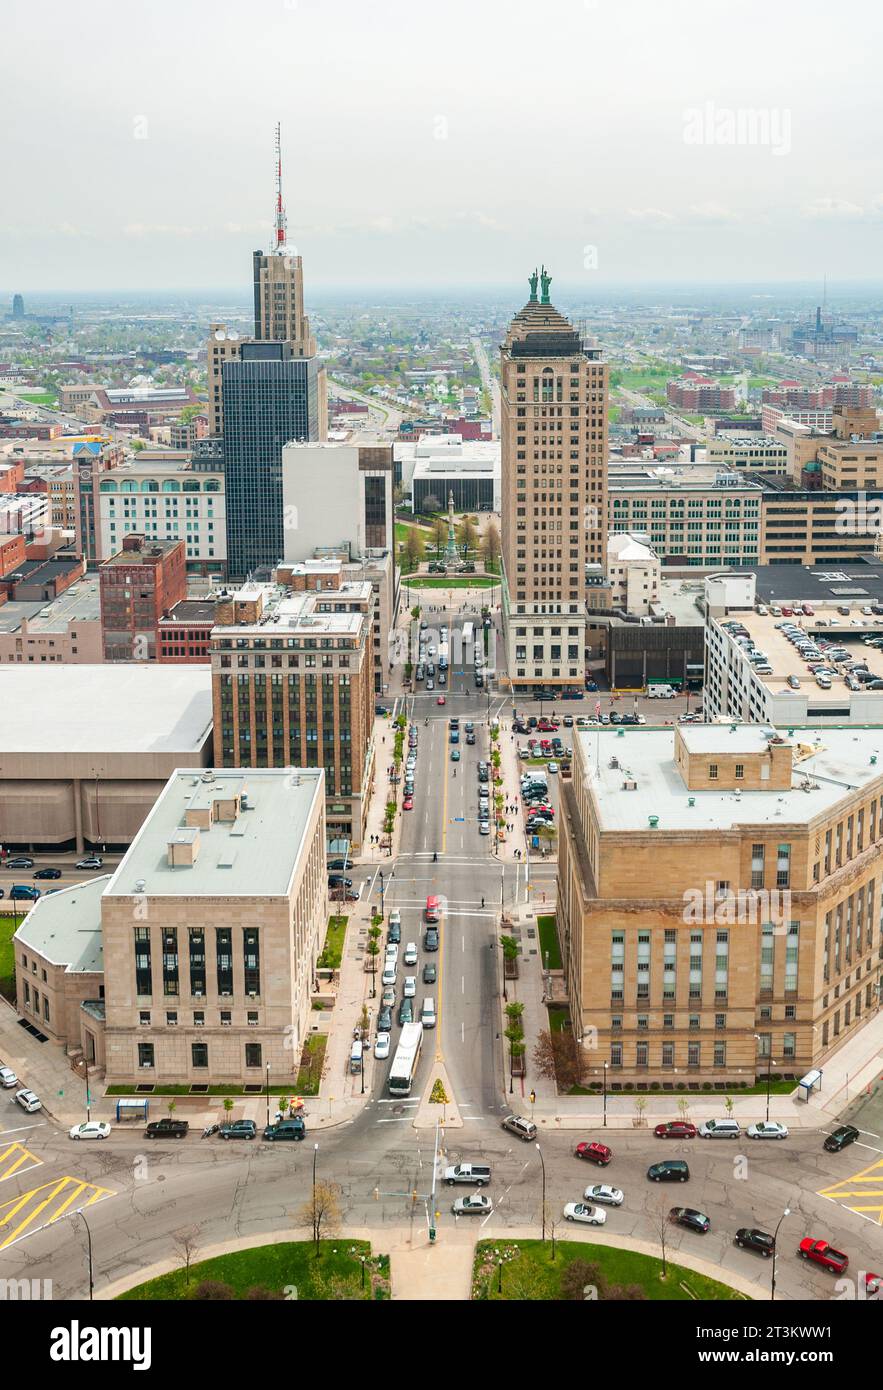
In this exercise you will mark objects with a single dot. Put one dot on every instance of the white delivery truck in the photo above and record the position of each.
(657, 690)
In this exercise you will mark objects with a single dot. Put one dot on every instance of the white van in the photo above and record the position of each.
(356, 1058)
(427, 1013)
(658, 691)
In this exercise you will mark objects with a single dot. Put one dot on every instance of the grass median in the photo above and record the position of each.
(577, 1271)
(286, 1272)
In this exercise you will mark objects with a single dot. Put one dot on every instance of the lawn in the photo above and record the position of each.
(288, 1271)
(39, 397)
(453, 581)
(530, 1274)
(549, 942)
(309, 1078)
(9, 924)
(332, 951)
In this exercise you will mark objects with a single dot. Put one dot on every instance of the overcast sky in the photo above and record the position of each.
(441, 144)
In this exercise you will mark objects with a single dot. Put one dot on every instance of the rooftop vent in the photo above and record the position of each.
(873, 759)
(738, 793)
(653, 821)
(614, 762)
(691, 801)
(630, 786)
(140, 885)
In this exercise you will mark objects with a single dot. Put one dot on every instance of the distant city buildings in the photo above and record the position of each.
(160, 495)
(143, 580)
(437, 465)
(698, 394)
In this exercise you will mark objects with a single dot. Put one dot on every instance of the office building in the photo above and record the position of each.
(195, 961)
(435, 466)
(732, 449)
(85, 750)
(695, 516)
(719, 892)
(158, 494)
(271, 398)
(698, 394)
(139, 583)
(293, 683)
(554, 492)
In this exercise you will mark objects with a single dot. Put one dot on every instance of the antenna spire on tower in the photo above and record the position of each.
(281, 236)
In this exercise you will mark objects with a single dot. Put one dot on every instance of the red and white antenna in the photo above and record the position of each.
(281, 237)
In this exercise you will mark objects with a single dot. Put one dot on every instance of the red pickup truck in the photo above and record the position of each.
(823, 1254)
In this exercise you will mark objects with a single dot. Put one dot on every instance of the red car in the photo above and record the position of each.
(675, 1129)
(873, 1285)
(440, 700)
(594, 1152)
(821, 1253)
(408, 803)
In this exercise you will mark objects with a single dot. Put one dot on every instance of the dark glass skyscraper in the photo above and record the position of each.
(271, 397)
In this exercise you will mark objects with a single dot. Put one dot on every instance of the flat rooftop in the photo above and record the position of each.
(857, 582)
(65, 927)
(827, 625)
(108, 708)
(297, 613)
(832, 762)
(254, 856)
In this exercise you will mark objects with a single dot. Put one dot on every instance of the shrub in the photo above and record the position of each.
(213, 1291)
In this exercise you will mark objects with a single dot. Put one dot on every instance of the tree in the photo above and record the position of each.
(171, 1107)
(213, 1291)
(431, 504)
(560, 1058)
(659, 1217)
(414, 547)
(640, 1107)
(322, 1210)
(491, 545)
(467, 533)
(578, 1277)
(439, 533)
(185, 1242)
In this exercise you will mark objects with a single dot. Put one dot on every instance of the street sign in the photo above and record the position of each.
(460, 818)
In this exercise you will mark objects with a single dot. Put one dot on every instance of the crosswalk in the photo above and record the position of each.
(15, 1158)
(861, 1193)
(41, 1206)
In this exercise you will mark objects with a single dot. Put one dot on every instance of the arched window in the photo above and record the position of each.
(171, 485)
(150, 485)
(108, 487)
(190, 486)
(128, 486)
(212, 485)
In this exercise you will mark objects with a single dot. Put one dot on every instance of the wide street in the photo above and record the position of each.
(137, 1194)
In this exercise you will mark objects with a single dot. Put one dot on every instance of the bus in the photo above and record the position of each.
(404, 1064)
(467, 636)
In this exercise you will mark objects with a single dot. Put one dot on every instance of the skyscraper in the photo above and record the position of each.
(270, 397)
(279, 283)
(554, 490)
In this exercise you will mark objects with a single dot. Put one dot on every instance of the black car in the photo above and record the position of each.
(337, 864)
(670, 1170)
(406, 1011)
(239, 1129)
(470, 738)
(430, 973)
(384, 1020)
(338, 881)
(20, 861)
(394, 935)
(749, 1238)
(167, 1128)
(689, 1217)
(841, 1138)
(430, 941)
(519, 728)
(48, 873)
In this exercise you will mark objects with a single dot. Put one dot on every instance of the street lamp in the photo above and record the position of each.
(543, 1162)
(268, 1093)
(363, 1258)
(769, 1063)
(786, 1212)
(605, 1094)
(315, 1227)
(380, 875)
(363, 1066)
(499, 1276)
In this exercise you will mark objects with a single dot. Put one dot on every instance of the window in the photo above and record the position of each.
(199, 1055)
(251, 953)
(668, 1054)
(144, 1018)
(143, 971)
(224, 958)
(712, 772)
(171, 1019)
(170, 960)
(252, 1054)
(199, 1018)
(197, 960)
(740, 771)
(226, 1018)
(783, 866)
(145, 1054)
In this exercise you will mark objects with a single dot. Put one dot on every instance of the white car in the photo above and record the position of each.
(603, 1192)
(411, 953)
(769, 1129)
(389, 975)
(395, 918)
(93, 1129)
(8, 1078)
(579, 1211)
(28, 1101)
(474, 1205)
(381, 1046)
(484, 827)
(551, 767)
(410, 986)
(392, 953)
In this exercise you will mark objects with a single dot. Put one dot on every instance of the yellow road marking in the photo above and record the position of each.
(855, 1197)
(17, 1154)
(75, 1188)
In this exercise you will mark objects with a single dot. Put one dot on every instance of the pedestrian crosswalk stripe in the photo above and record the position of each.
(60, 1195)
(16, 1158)
(861, 1193)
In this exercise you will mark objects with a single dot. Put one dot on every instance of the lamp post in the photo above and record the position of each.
(380, 876)
(315, 1226)
(79, 1213)
(363, 1258)
(268, 1093)
(769, 1063)
(363, 1066)
(605, 1094)
(543, 1162)
(88, 1094)
(786, 1212)
(499, 1276)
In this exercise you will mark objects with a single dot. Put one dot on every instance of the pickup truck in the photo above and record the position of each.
(166, 1129)
(823, 1254)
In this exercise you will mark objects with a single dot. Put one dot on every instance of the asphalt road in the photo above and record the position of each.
(137, 1194)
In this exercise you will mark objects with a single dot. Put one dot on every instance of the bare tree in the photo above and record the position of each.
(322, 1210)
(186, 1244)
(491, 544)
(659, 1218)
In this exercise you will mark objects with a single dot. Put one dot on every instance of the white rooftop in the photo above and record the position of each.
(831, 761)
(112, 708)
(65, 927)
(253, 856)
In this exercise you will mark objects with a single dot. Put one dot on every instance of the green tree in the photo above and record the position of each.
(439, 533)
(491, 546)
(414, 548)
(467, 533)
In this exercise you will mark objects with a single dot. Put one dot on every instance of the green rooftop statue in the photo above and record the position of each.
(546, 281)
(532, 281)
